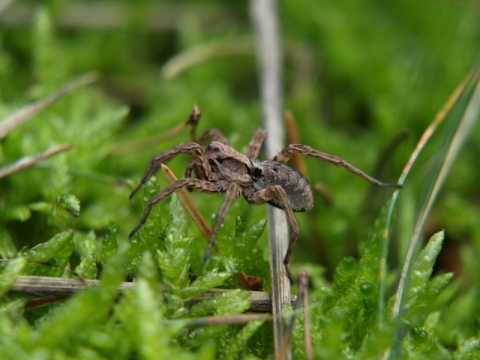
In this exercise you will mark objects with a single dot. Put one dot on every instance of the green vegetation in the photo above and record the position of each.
(356, 75)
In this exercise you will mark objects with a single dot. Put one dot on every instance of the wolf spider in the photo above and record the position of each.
(220, 168)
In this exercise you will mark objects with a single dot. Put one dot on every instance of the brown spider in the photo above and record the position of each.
(220, 168)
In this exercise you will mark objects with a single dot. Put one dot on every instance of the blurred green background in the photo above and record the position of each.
(357, 74)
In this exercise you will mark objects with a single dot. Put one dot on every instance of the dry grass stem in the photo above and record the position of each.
(302, 299)
(269, 58)
(303, 294)
(26, 113)
(293, 138)
(44, 286)
(30, 160)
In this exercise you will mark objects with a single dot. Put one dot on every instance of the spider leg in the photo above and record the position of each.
(255, 144)
(193, 120)
(287, 153)
(190, 167)
(233, 191)
(215, 135)
(197, 184)
(189, 147)
(267, 194)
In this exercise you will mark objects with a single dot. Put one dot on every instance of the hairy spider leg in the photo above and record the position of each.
(214, 135)
(255, 144)
(286, 154)
(233, 191)
(197, 184)
(193, 120)
(267, 194)
(190, 147)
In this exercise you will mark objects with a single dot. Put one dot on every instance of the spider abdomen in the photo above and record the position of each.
(296, 186)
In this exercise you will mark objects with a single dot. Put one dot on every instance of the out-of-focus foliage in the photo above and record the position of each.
(356, 75)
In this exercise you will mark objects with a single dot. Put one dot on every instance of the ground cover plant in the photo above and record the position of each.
(92, 87)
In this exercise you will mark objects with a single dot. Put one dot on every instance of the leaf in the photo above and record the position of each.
(241, 252)
(7, 246)
(345, 274)
(244, 241)
(228, 303)
(109, 244)
(423, 290)
(174, 261)
(419, 343)
(423, 267)
(152, 336)
(10, 272)
(67, 325)
(87, 247)
(70, 204)
(236, 346)
(204, 283)
(57, 250)
(468, 349)
(369, 265)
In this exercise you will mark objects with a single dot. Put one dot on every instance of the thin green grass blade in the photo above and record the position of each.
(461, 117)
(458, 99)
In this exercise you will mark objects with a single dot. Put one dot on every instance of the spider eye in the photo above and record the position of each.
(257, 172)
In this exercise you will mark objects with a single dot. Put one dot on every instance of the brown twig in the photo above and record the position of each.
(303, 291)
(302, 299)
(26, 113)
(43, 286)
(28, 161)
(293, 138)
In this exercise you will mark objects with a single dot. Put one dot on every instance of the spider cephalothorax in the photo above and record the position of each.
(220, 168)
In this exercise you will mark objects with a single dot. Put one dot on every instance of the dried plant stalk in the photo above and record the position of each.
(28, 161)
(26, 113)
(267, 38)
(44, 286)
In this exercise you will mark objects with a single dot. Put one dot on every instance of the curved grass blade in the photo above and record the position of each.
(462, 109)
(426, 136)
(457, 131)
